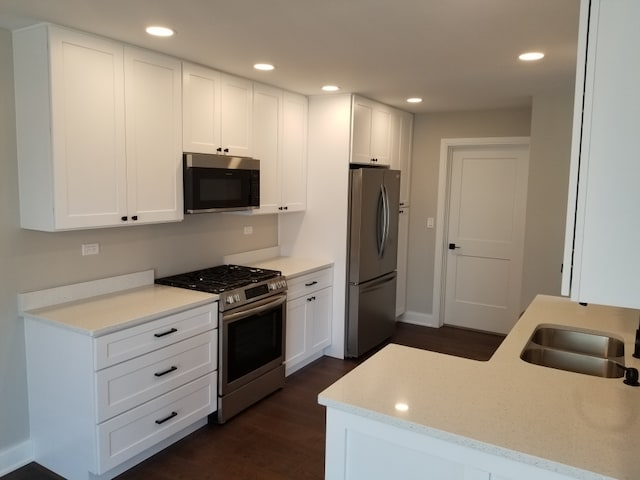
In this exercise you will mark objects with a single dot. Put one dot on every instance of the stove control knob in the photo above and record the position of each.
(229, 300)
(237, 297)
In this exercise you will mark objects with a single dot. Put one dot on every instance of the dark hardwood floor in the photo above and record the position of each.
(281, 437)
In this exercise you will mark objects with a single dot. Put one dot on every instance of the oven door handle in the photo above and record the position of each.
(263, 306)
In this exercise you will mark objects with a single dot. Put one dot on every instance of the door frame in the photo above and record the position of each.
(447, 145)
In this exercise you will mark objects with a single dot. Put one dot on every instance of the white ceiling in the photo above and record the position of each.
(455, 54)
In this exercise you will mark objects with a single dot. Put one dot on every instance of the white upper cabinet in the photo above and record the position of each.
(69, 91)
(401, 141)
(606, 257)
(76, 169)
(280, 143)
(371, 132)
(293, 169)
(154, 119)
(217, 115)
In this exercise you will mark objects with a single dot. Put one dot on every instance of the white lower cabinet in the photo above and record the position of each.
(359, 447)
(99, 405)
(309, 305)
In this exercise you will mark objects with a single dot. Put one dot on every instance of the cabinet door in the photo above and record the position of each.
(361, 131)
(201, 109)
(607, 231)
(267, 116)
(87, 102)
(319, 319)
(293, 170)
(296, 346)
(405, 152)
(236, 106)
(381, 135)
(153, 98)
(403, 243)
(371, 132)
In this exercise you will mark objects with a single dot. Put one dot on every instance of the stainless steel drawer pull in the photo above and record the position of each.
(165, 419)
(310, 283)
(168, 332)
(168, 370)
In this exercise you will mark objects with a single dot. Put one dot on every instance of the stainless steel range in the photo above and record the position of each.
(251, 331)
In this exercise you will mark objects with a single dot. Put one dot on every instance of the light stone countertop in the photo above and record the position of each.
(565, 422)
(104, 314)
(292, 267)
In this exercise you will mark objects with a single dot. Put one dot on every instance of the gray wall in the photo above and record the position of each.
(32, 260)
(549, 124)
(429, 129)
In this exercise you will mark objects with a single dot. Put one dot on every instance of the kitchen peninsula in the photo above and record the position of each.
(405, 412)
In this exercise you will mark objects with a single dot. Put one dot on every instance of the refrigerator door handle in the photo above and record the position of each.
(380, 223)
(385, 215)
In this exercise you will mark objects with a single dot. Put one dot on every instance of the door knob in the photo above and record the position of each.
(453, 246)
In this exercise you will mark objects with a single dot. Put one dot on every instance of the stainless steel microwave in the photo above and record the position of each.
(220, 183)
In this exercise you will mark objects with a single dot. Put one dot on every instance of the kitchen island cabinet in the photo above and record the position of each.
(98, 131)
(603, 231)
(115, 378)
(408, 410)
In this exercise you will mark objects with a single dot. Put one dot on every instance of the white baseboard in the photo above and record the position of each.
(416, 318)
(15, 457)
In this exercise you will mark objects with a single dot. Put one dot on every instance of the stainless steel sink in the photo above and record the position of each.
(597, 345)
(576, 351)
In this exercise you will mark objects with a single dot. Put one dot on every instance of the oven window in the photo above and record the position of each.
(253, 342)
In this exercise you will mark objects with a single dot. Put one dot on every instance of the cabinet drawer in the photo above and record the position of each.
(129, 343)
(133, 432)
(311, 282)
(127, 385)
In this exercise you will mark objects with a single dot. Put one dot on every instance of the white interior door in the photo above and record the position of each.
(485, 237)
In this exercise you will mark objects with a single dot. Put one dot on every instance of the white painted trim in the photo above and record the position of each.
(418, 318)
(15, 457)
(80, 291)
(446, 147)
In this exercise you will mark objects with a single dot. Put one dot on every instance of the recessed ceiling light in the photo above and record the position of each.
(401, 407)
(330, 88)
(158, 31)
(414, 100)
(266, 67)
(531, 56)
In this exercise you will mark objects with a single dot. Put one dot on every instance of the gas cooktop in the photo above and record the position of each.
(219, 279)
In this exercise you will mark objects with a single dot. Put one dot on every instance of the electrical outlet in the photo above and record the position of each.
(90, 249)
(248, 230)
(430, 222)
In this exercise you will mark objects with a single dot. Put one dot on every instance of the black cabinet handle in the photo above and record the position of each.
(226, 150)
(310, 283)
(311, 299)
(165, 419)
(168, 332)
(135, 217)
(168, 370)
(124, 219)
(453, 246)
(286, 208)
(219, 149)
(279, 208)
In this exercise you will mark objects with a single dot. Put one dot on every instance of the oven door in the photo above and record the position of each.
(252, 342)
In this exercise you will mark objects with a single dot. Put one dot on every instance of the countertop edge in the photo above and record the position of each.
(460, 440)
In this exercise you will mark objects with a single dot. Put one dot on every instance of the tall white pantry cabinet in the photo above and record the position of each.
(605, 167)
(98, 131)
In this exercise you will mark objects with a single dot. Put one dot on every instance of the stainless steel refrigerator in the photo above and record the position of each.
(372, 252)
